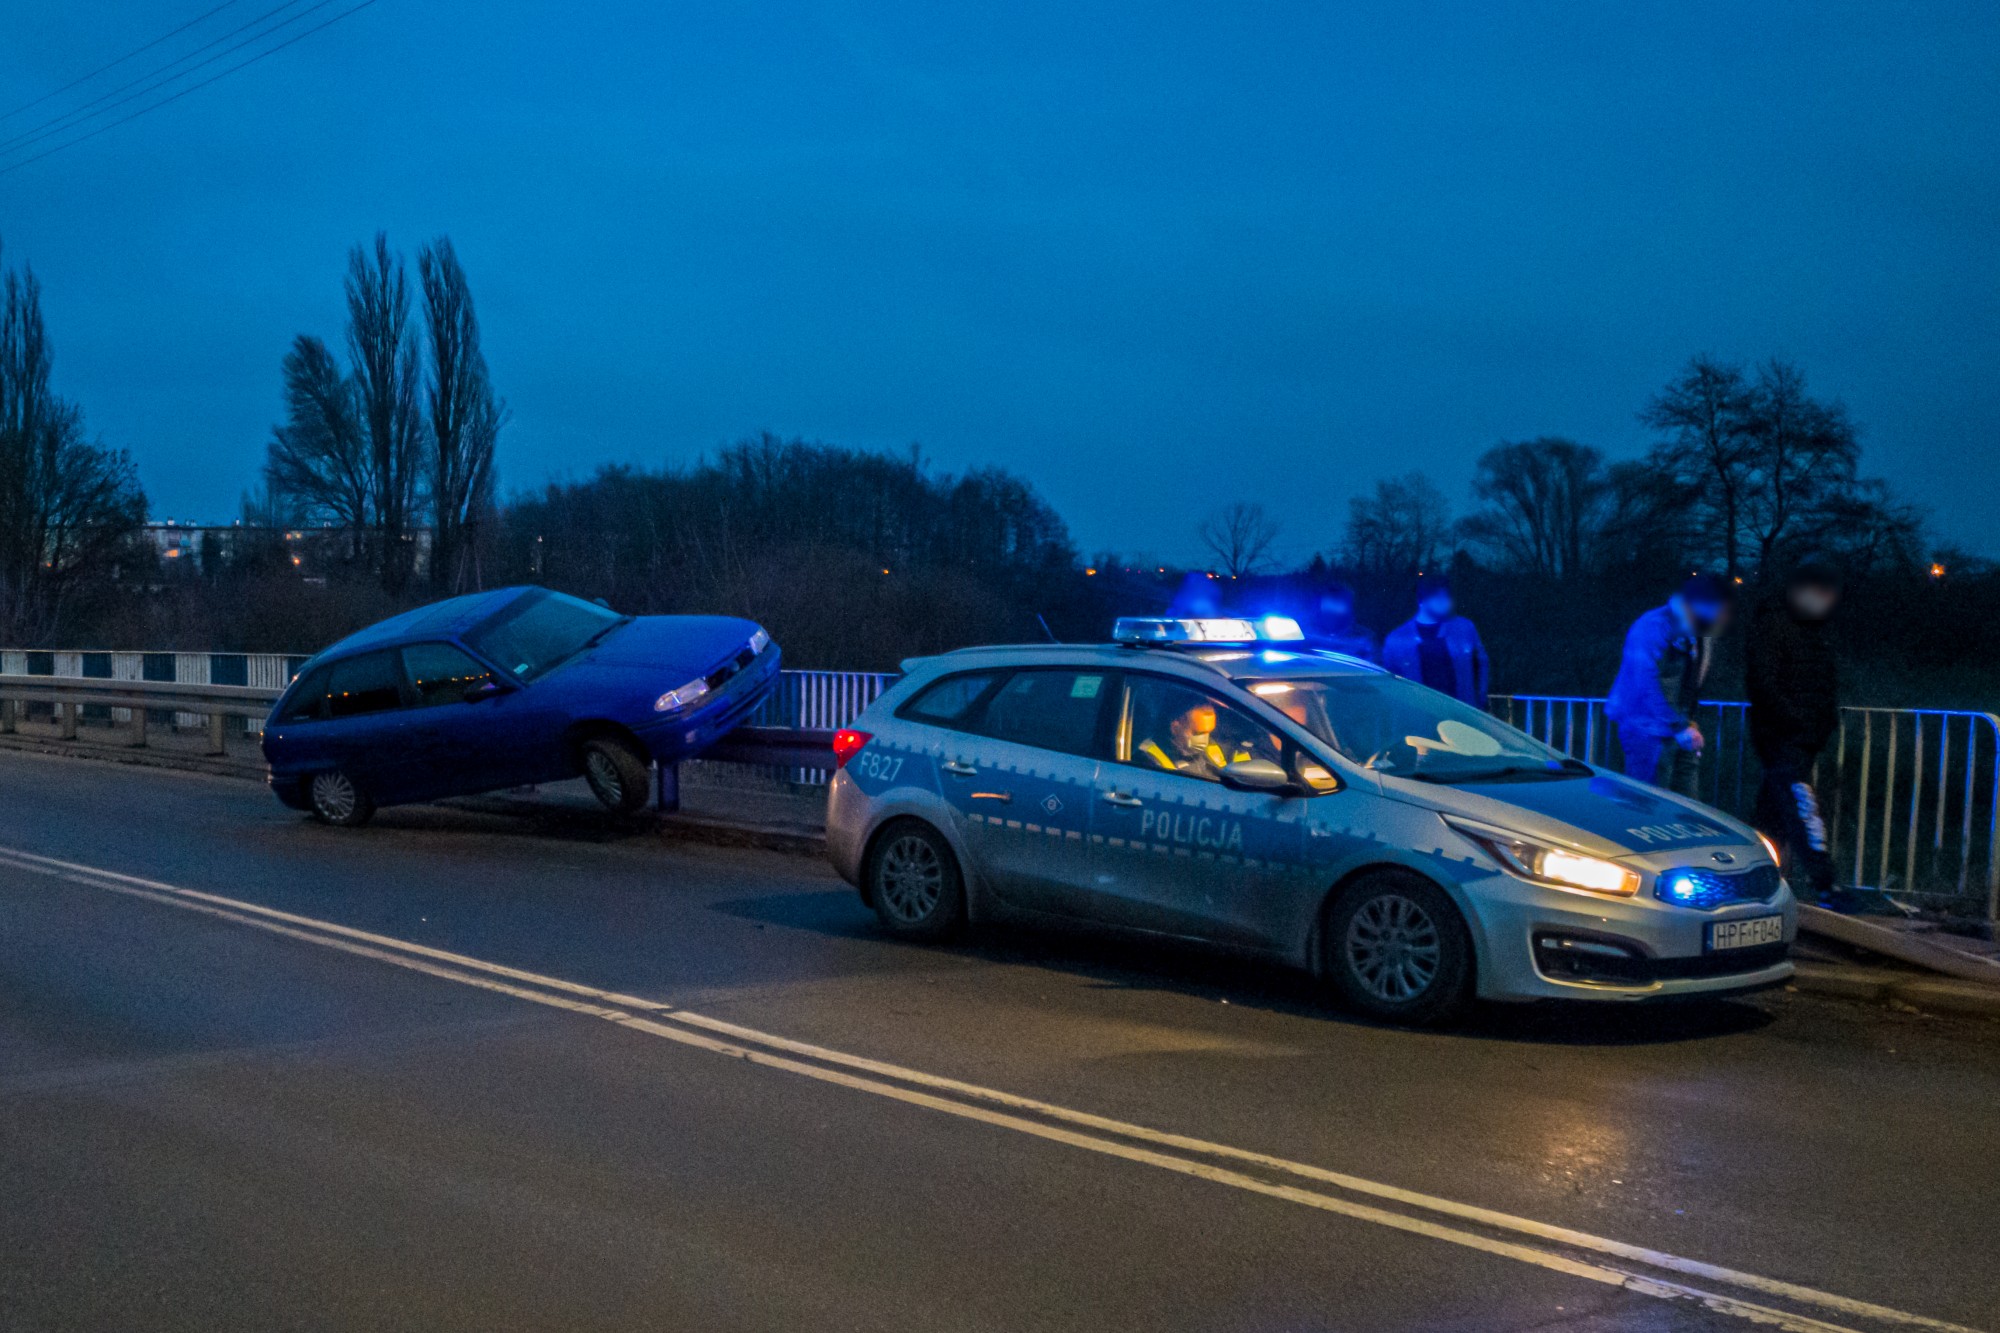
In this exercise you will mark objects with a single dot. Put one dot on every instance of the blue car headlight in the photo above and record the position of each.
(759, 642)
(684, 696)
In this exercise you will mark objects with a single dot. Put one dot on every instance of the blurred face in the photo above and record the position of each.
(1337, 609)
(1193, 728)
(1709, 617)
(1436, 605)
(1814, 601)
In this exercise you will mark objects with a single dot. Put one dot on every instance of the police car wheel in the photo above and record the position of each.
(914, 882)
(1398, 950)
(616, 775)
(336, 800)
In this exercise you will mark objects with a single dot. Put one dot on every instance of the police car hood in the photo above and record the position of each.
(1603, 814)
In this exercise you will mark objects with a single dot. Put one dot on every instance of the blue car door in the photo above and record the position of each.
(1174, 850)
(1019, 774)
(364, 728)
(458, 737)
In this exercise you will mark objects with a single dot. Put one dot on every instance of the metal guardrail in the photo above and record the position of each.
(789, 738)
(1911, 796)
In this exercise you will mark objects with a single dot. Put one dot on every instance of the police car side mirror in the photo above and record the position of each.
(1259, 775)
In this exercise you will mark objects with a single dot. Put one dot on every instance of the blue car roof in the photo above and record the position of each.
(452, 616)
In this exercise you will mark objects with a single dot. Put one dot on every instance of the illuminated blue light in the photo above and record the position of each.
(1682, 887)
(1282, 629)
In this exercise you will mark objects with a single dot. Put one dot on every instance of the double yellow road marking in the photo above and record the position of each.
(1579, 1254)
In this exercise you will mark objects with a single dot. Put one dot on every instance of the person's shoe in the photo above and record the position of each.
(1843, 900)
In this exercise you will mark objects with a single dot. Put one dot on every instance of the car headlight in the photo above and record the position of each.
(1557, 866)
(759, 642)
(1772, 848)
(686, 696)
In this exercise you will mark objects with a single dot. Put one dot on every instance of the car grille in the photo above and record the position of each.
(735, 664)
(1706, 890)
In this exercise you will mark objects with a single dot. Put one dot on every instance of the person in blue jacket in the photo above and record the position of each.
(1439, 648)
(1660, 674)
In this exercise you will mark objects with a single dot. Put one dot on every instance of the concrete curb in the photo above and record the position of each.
(1970, 999)
(1859, 933)
(142, 756)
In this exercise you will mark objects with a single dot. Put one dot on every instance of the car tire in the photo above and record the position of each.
(1397, 949)
(335, 798)
(914, 882)
(617, 774)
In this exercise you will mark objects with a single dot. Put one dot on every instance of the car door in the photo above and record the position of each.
(1019, 772)
(458, 738)
(363, 729)
(1174, 850)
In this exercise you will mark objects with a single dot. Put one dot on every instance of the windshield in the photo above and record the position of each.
(1399, 727)
(539, 631)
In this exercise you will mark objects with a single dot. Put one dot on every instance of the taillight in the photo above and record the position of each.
(847, 743)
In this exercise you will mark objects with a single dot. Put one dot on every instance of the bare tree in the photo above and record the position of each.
(1402, 528)
(383, 349)
(465, 416)
(318, 464)
(68, 507)
(1547, 501)
(1806, 454)
(1239, 536)
(1709, 451)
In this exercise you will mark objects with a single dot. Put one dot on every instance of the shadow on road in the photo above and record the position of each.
(1129, 963)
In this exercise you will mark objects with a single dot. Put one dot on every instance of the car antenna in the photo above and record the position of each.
(1045, 628)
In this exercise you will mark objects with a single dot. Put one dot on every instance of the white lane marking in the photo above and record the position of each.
(464, 969)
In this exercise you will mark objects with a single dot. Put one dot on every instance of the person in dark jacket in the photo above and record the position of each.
(1794, 690)
(1660, 675)
(1334, 628)
(1439, 648)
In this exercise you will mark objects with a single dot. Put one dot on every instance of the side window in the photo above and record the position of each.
(1177, 728)
(1049, 708)
(369, 683)
(308, 701)
(944, 703)
(441, 674)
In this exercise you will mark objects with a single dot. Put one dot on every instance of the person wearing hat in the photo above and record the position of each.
(1794, 689)
(1439, 648)
(1658, 688)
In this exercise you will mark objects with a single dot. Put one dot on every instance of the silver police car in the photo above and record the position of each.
(1214, 780)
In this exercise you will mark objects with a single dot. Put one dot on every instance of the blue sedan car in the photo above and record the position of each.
(500, 689)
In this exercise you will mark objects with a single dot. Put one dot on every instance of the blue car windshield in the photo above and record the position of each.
(1399, 727)
(537, 632)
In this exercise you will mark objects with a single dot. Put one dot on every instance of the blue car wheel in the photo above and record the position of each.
(336, 800)
(616, 773)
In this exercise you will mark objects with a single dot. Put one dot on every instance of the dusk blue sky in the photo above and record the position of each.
(1154, 257)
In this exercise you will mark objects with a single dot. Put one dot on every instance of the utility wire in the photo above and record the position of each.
(78, 114)
(269, 51)
(136, 51)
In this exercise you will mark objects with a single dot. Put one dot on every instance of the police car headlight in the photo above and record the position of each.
(759, 642)
(1555, 866)
(687, 696)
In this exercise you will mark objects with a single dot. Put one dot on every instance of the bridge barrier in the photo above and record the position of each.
(1911, 796)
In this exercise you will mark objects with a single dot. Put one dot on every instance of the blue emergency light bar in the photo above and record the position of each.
(1208, 629)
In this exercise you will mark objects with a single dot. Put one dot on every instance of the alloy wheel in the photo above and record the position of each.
(604, 777)
(1393, 948)
(910, 882)
(333, 796)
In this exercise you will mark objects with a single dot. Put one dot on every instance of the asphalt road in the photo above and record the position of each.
(214, 1117)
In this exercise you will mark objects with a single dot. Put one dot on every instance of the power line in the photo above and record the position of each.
(77, 115)
(136, 51)
(269, 51)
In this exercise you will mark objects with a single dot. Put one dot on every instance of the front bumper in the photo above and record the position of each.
(1539, 943)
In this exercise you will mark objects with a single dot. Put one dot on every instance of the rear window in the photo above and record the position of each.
(370, 683)
(1051, 709)
(945, 702)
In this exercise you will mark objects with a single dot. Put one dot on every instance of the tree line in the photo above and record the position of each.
(383, 455)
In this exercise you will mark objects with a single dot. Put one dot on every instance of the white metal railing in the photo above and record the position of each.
(1911, 795)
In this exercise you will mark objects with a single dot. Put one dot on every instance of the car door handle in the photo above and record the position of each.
(959, 767)
(1123, 798)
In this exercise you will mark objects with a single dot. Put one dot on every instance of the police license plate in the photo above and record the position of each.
(1745, 934)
